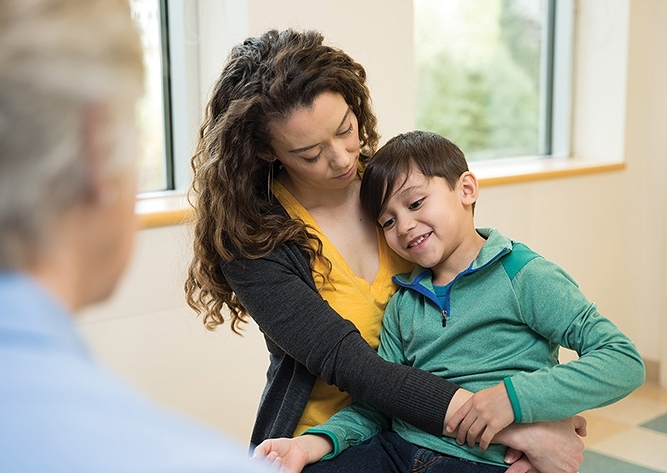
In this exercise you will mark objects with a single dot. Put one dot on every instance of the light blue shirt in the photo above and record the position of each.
(62, 411)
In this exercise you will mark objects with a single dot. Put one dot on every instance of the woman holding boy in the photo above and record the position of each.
(280, 236)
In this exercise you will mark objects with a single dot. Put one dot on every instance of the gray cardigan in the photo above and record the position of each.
(306, 337)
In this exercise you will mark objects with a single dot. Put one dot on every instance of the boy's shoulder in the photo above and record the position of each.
(518, 257)
(499, 249)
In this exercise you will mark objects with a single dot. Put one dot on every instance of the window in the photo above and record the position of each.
(153, 113)
(485, 72)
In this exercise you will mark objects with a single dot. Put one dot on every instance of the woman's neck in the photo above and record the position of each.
(317, 199)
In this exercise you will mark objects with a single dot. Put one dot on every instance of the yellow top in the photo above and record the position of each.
(349, 295)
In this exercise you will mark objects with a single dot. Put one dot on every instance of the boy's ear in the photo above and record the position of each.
(469, 188)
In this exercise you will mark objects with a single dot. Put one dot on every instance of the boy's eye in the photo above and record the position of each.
(384, 224)
(416, 204)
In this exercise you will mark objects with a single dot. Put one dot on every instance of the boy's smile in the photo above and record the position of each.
(419, 241)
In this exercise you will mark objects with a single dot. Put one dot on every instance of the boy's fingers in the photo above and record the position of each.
(475, 431)
(487, 436)
(464, 426)
(458, 416)
(260, 450)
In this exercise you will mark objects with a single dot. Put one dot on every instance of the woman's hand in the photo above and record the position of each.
(290, 455)
(519, 462)
(550, 447)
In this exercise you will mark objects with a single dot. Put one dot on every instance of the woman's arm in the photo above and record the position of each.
(279, 293)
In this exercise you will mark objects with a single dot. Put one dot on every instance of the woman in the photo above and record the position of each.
(280, 236)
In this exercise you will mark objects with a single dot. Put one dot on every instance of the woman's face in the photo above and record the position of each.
(318, 146)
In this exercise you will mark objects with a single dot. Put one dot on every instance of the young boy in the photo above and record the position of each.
(480, 310)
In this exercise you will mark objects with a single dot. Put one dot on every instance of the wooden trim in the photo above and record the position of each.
(538, 170)
(163, 210)
(165, 218)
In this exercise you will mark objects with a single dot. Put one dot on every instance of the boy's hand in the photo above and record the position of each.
(482, 416)
(283, 454)
(292, 454)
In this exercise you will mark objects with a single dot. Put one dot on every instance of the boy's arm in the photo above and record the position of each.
(609, 366)
(348, 427)
(291, 455)
(351, 426)
(558, 392)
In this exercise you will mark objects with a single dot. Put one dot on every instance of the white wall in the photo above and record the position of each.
(645, 190)
(609, 231)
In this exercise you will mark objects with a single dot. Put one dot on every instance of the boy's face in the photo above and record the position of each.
(430, 224)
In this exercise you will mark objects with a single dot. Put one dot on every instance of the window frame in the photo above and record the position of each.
(192, 79)
(555, 91)
(181, 101)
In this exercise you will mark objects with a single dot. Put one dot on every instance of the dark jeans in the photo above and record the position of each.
(389, 452)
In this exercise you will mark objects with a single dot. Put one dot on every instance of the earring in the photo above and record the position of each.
(269, 182)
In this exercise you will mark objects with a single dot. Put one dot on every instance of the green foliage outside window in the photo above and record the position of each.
(479, 74)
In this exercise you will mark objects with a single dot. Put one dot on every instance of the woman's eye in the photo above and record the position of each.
(416, 204)
(346, 132)
(313, 160)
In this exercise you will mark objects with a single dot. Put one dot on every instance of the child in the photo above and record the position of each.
(481, 310)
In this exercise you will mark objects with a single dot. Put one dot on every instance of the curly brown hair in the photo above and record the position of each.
(266, 78)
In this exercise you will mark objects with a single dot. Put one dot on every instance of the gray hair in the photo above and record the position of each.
(57, 59)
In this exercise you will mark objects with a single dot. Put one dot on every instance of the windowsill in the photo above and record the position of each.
(162, 209)
(516, 171)
(172, 208)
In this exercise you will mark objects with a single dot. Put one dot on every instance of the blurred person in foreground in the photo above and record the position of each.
(70, 75)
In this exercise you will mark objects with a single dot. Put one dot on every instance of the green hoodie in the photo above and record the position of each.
(506, 316)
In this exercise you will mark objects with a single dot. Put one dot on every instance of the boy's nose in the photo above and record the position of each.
(404, 226)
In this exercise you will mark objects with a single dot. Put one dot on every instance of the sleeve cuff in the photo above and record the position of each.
(334, 439)
(514, 400)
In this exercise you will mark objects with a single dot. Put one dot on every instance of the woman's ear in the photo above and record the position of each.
(469, 188)
(267, 156)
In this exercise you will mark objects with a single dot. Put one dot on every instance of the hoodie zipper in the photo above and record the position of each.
(444, 311)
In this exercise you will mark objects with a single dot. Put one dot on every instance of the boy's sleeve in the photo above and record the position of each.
(358, 422)
(352, 426)
(609, 366)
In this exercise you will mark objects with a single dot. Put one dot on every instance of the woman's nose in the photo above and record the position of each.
(340, 157)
